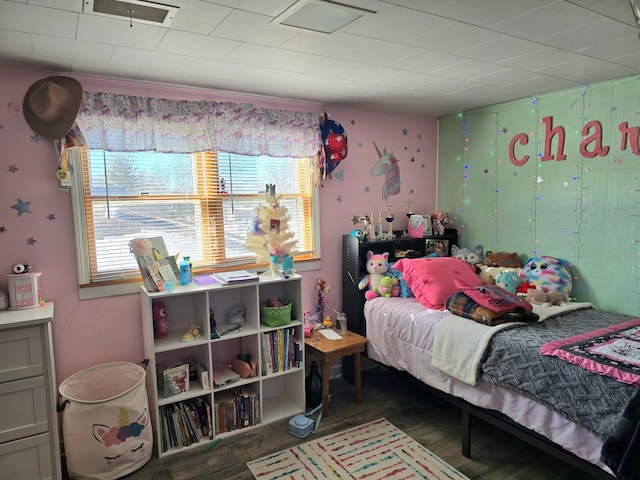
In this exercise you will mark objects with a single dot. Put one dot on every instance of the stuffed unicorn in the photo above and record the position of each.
(377, 265)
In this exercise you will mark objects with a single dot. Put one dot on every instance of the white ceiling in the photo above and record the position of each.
(425, 57)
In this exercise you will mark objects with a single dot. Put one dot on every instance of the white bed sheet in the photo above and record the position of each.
(400, 334)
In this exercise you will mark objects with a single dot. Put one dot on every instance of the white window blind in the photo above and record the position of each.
(201, 204)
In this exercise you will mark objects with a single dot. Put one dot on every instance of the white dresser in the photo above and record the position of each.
(29, 439)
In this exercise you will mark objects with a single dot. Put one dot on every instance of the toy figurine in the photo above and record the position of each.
(160, 320)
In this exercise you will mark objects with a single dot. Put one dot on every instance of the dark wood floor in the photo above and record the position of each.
(389, 394)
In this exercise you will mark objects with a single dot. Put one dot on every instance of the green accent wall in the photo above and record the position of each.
(582, 210)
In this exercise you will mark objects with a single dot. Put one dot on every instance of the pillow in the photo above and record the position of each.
(502, 259)
(405, 290)
(432, 280)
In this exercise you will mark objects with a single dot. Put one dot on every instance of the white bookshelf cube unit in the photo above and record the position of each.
(188, 419)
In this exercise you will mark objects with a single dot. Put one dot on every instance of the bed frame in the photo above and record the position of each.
(354, 254)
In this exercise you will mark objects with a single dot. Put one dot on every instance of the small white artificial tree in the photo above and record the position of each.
(269, 233)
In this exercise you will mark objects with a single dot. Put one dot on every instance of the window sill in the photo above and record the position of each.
(114, 290)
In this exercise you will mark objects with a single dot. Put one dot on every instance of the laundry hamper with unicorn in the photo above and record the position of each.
(105, 421)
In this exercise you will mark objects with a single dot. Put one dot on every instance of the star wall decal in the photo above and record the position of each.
(353, 122)
(35, 138)
(31, 241)
(13, 168)
(21, 207)
(412, 160)
(355, 220)
(1, 126)
(423, 166)
(419, 136)
(3, 229)
(405, 132)
(339, 198)
(51, 216)
(366, 189)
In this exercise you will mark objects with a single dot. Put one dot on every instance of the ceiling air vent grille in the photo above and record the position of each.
(152, 13)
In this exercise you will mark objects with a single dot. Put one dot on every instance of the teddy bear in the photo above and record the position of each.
(536, 296)
(377, 265)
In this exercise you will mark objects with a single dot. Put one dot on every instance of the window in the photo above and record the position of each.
(201, 204)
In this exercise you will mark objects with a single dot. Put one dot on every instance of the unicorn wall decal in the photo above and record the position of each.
(387, 165)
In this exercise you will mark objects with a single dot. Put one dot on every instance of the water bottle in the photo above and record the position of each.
(185, 271)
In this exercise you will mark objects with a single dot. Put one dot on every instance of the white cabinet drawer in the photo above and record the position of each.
(27, 459)
(20, 354)
(23, 409)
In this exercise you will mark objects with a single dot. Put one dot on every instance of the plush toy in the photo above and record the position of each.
(502, 259)
(523, 288)
(547, 273)
(386, 287)
(540, 297)
(436, 226)
(377, 265)
(509, 280)
(160, 319)
(472, 257)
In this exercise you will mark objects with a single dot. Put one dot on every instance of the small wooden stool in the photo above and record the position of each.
(328, 350)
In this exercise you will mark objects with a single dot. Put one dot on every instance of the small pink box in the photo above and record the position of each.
(24, 291)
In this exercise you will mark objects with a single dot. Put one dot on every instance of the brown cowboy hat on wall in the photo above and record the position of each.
(51, 105)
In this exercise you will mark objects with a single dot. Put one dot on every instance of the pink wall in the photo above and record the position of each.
(91, 332)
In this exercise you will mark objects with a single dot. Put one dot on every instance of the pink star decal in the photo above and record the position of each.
(13, 168)
(51, 216)
(31, 241)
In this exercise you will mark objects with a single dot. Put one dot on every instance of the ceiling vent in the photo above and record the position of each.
(140, 11)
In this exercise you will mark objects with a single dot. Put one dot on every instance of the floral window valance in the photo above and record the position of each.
(117, 122)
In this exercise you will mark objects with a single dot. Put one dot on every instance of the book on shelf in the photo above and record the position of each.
(236, 408)
(203, 376)
(185, 423)
(237, 276)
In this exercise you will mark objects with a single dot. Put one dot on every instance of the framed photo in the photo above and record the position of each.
(441, 247)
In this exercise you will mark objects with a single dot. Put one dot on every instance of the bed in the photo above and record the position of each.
(498, 374)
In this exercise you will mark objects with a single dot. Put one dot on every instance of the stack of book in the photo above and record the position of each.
(185, 423)
(281, 351)
(237, 408)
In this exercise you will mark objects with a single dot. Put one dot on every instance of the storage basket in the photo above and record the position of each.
(276, 316)
(105, 421)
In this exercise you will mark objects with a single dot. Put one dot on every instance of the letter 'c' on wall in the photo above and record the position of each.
(522, 139)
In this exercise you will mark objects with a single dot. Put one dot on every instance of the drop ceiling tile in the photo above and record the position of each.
(253, 28)
(468, 70)
(428, 61)
(35, 19)
(377, 52)
(505, 77)
(455, 37)
(134, 57)
(154, 76)
(70, 5)
(98, 70)
(321, 44)
(272, 8)
(365, 73)
(601, 32)
(575, 68)
(547, 20)
(484, 13)
(93, 28)
(541, 59)
(445, 86)
(318, 64)
(404, 79)
(15, 42)
(213, 68)
(74, 49)
(615, 9)
(195, 45)
(614, 50)
(384, 25)
(631, 61)
(501, 49)
(199, 17)
(258, 55)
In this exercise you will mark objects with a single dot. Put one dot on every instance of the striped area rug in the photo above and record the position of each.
(371, 451)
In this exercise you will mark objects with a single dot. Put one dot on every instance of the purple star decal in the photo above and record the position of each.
(3, 229)
(13, 168)
(31, 241)
(35, 138)
(405, 132)
(21, 207)
(353, 122)
(366, 189)
(339, 198)
(51, 216)
(505, 130)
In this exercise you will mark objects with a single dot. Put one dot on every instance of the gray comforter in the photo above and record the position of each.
(513, 361)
